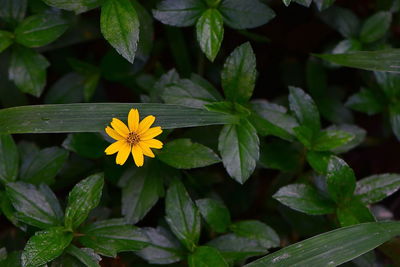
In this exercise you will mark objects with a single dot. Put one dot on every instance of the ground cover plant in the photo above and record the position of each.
(199, 133)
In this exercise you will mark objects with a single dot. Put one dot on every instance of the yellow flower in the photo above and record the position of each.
(137, 139)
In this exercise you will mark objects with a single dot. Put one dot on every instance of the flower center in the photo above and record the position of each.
(133, 138)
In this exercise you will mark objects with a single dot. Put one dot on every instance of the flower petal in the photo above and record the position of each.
(153, 143)
(114, 147)
(133, 119)
(120, 127)
(137, 154)
(123, 153)
(146, 150)
(113, 133)
(145, 124)
(150, 133)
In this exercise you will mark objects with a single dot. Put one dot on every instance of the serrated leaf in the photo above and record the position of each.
(215, 214)
(41, 29)
(332, 248)
(182, 215)
(36, 206)
(210, 32)
(142, 191)
(183, 154)
(95, 117)
(78, 6)
(245, 14)
(112, 236)
(341, 181)
(119, 24)
(375, 27)
(205, 256)
(304, 198)
(84, 197)
(6, 39)
(239, 148)
(45, 246)
(256, 230)
(376, 187)
(239, 73)
(28, 70)
(9, 159)
(179, 13)
(163, 247)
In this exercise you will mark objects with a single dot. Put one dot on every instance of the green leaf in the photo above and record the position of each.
(84, 255)
(342, 20)
(13, 259)
(380, 60)
(280, 155)
(179, 13)
(375, 27)
(305, 109)
(239, 73)
(389, 83)
(304, 198)
(119, 24)
(78, 6)
(28, 70)
(235, 248)
(305, 135)
(210, 32)
(357, 132)
(206, 85)
(13, 11)
(112, 236)
(206, 257)
(36, 206)
(245, 14)
(215, 214)
(376, 187)
(334, 247)
(68, 89)
(88, 145)
(6, 39)
(367, 100)
(142, 191)
(9, 212)
(323, 4)
(318, 160)
(84, 197)
(256, 230)
(95, 117)
(183, 154)
(353, 212)
(43, 166)
(327, 140)
(163, 247)
(182, 215)
(9, 159)
(239, 148)
(187, 93)
(45, 246)
(272, 119)
(340, 180)
(39, 30)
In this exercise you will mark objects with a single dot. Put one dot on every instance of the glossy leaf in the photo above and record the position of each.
(183, 154)
(340, 180)
(206, 256)
(215, 214)
(239, 73)
(182, 215)
(45, 246)
(112, 236)
(334, 247)
(119, 24)
(304, 198)
(28, 70)
(318, 160)
(36, 206)
(358, 133)
(331, 139)
(245, 14)
(84, 255)
(376, 187)
(78, 6)
(239, 148)
(210, 32)
(6, 39)
(39, 30)
(84, 197)
(179, 13)
(256, 230)
(375, 27)
(95, 117)
(9, 159)
(353, 212)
